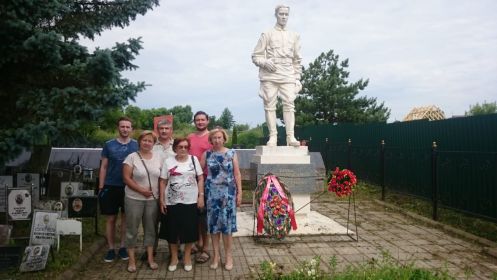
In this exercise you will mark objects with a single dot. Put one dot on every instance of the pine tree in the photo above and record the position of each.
(328, 97)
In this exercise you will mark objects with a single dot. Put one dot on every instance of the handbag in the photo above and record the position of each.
(200, 211)
(148, 175)
(194, 168)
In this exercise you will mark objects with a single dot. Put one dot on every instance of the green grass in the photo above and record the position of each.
(477, 226)
(384, 269)
(68, 254)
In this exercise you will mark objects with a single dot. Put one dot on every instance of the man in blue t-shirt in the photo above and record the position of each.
(111, 185)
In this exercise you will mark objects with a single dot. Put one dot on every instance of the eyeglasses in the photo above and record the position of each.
(182, 147)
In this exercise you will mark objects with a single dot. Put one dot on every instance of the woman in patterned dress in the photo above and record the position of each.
(181, 194)
(223, 190)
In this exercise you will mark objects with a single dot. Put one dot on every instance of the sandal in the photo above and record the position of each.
(153, 266)
(214, 265)
(131, 269)
(229, 264)
(194, 250)
(203, 257)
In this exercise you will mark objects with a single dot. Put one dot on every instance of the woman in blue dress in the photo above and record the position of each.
(223, 190)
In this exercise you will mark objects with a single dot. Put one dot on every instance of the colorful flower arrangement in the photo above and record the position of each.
(342, 182)
(274, 208)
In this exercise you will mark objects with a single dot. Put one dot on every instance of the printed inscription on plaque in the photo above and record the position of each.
(19, 201)
(44, 228)
(34, 258)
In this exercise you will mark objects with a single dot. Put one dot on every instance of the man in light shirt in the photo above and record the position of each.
(165, 140)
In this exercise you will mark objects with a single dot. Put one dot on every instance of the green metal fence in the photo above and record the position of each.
(460, 173)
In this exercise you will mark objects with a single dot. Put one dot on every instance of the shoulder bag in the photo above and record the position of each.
(148, 175)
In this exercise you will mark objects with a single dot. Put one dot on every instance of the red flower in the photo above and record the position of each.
(342, 182)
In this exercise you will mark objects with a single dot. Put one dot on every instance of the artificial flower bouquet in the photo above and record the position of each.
(274, 208)
(342, 182)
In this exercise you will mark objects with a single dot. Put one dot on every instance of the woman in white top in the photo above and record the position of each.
(141, 172)
(181, 193)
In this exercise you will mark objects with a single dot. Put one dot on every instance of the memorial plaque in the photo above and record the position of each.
(10, 256)
(44, 228)
(6, 182)
(30, 180)
(299, 178)
(69, 189)
(60, 206)
(19, 204)
(85, 193)
(34, 258)
(82, 207)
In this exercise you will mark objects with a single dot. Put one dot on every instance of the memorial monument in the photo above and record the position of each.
(277, 54)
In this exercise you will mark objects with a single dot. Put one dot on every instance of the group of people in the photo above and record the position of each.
(183, 190)
(192, 186)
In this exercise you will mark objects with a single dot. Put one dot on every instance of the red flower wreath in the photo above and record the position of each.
(342, 182)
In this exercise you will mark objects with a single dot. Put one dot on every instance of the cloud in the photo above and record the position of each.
(414, 53)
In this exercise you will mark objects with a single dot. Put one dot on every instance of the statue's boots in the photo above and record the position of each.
(289, 118)
(271, 125)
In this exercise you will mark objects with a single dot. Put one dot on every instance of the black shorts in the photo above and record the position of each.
(111, 200)
(180, 224)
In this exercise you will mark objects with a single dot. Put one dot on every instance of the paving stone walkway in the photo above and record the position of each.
(380, 229)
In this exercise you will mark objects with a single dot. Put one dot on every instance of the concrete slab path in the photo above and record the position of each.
(380, 229)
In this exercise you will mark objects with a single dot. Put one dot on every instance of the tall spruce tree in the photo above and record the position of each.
(328, 97)
(50, 85)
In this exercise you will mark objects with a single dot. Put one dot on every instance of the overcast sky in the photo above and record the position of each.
(414, 53)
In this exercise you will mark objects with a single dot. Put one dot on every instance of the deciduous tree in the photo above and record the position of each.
(482, 109)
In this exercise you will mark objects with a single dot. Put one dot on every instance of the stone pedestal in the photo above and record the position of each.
(299, 200)
(281, 155)
(293, 166)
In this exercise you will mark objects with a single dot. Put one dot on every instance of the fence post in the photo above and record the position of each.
(434, 186)
(382, 169)
(327, 151)
(349, 154)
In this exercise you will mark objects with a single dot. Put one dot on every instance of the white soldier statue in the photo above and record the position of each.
(277, 55)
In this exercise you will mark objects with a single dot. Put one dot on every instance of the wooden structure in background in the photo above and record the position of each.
(431, 113)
